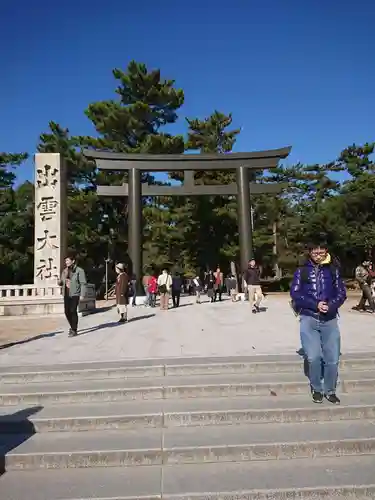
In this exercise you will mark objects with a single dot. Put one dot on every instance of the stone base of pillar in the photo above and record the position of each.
(30, 300)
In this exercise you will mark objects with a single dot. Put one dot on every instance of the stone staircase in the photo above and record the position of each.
(242, 428)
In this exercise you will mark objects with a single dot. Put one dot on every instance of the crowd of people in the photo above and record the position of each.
(165, 286)
(213, 284)
(317, 293)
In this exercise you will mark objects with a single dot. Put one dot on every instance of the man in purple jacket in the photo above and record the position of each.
(317, 293)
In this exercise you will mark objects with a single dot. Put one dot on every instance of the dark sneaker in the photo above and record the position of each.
(72, 333)
(359, 309)
(317, 397)
(332, 398)
(254, 311)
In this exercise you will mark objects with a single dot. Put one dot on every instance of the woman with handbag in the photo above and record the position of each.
(164, 287)
(122, 292)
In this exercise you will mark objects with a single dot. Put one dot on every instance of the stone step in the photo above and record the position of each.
(329, 477)
(326, 478)
(173, 387)
(170, 367)
(184, 412)
(188, 445)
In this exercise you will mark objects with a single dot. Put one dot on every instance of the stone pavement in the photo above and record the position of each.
(14, 330)
(18, 329)
(206, 330)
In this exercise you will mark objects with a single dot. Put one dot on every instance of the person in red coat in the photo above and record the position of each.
(152, 289)
(122, 292)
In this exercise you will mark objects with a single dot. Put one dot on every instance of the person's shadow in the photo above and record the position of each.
(15, 429)
(113, 324)
(183, 305)
(31, 339)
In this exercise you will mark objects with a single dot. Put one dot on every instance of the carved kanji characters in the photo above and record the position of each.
(46, 269)
(47, 207)
(46, 176)
(47, 240)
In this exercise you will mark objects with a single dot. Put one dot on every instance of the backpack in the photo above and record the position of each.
(333, 267)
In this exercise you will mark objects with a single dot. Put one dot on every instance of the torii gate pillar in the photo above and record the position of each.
(135, 224)
(244, 217)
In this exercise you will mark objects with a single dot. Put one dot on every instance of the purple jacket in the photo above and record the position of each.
(315, 283)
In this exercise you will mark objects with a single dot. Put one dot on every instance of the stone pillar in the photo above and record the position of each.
(50, 219)
(244, 217)
(135, 226)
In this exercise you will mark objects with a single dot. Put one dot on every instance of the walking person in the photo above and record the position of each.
(219, 284)
(231, 284)
(317, 293)
(152, 289)
(73, 283)
(210, 285)
(133, 289)
(164, 287)
(145, 281)
(122, 293)
(363, 275)
(252, 282)
(176, 289)
(197, 289)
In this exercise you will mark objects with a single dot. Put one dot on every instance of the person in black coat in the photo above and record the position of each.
(251, 278)
(210, 284)
(176, 289)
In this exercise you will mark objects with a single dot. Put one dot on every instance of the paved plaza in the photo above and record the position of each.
(206, 330)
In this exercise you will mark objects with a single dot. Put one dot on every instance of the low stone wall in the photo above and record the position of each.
(26, 300)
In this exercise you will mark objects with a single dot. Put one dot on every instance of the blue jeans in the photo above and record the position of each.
(321, 341)
(148, 298)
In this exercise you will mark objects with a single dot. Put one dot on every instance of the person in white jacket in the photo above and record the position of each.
(164, 287)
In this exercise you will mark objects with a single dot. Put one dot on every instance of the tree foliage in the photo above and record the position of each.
(8, 162)
(335, 200)
(16, 223)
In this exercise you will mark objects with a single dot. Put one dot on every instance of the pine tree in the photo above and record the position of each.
(8, 162)
(16, 223)
(131, 123)
(205, 228)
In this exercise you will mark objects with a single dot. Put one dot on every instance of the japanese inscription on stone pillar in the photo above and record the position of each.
(50, 218)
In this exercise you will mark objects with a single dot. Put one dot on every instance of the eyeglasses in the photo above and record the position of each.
(319, 252)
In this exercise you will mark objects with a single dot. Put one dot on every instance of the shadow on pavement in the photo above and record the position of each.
(367, 309)
(113, 324)
(145, 316)
(31, 339)
(15, 429)
(182, 305)
(104, 308)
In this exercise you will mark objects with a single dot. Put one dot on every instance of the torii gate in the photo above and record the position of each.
(188, 164)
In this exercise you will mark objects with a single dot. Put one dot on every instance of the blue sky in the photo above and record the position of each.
(297, 72)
